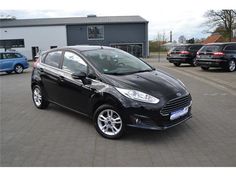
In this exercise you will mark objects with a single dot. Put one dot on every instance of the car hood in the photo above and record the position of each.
(156, 83)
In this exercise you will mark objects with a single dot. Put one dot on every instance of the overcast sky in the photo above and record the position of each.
(183, 17)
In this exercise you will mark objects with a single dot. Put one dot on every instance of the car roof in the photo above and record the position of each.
(9, 52)
(221, 43)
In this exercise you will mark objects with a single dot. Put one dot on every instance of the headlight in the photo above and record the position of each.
(137, 95)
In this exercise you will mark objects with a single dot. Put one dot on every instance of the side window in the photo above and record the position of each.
(8, 55)
(1, 57)
(17, 55)
(230, 48)
(73, 63)
(53, 59)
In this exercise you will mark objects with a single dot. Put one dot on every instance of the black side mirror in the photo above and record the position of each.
(79, 75)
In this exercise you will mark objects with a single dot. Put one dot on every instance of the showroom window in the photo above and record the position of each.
(95, 32)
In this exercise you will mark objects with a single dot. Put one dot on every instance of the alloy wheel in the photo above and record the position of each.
(37, 97)
(231, 65)
(109, 122)
(18, 69)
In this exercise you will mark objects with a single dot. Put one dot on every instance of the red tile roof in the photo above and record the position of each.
(214, 38)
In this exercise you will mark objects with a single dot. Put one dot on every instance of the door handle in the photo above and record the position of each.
(61, 78)
(41, 70)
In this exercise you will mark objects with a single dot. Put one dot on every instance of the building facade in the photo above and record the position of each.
(29, 36)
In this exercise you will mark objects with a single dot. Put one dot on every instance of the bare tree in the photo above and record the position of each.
(222, 21)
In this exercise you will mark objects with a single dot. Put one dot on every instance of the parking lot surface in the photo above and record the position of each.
(58, 137)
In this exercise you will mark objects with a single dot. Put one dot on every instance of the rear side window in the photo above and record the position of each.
(230, 48)
(211, 48)
(73, 63)
(53, 59)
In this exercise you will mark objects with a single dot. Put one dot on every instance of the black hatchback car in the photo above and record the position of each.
(110, 86)
(217, 55)
(183, 54)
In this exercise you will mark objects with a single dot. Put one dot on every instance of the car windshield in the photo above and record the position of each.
(210, 48)
(115, 62)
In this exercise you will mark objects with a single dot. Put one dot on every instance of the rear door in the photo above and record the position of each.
(8, 60)
(50, 71)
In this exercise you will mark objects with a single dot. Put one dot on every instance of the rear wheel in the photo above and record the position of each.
(205, 68)
(231, 66)
(38, 98)
(177, 64)
(18, 69)
(108, 122)
(194, 63)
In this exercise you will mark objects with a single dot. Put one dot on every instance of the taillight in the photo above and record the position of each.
(36, 63)
(185, 52)
(218, 54)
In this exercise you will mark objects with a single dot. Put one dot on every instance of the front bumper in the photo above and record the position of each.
(153, 119)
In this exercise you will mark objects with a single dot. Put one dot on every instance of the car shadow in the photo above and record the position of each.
(132, 134)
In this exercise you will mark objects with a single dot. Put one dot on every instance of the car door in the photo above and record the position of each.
(49, 73)
(73, 93)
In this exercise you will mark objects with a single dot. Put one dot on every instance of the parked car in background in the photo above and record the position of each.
(184, 54)
(110, 86)
(13, 61)
(217, 55)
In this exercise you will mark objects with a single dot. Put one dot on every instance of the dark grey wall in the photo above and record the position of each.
(113, 33)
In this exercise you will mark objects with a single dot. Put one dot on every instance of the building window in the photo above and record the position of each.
(95, 32)
(12, 43)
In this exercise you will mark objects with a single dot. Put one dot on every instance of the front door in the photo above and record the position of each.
(73, 93)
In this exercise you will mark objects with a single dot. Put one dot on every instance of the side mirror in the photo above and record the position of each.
(79, 75)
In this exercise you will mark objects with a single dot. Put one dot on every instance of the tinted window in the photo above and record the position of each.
(211, 48)
(195, 47)
(180, 48)
(73, 63)
(230, 47)
(53, 59)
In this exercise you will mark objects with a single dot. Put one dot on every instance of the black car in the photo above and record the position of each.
(183, 54)
(110, 86)
(217, 55)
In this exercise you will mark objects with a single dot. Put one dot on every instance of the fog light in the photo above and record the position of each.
(137, 121)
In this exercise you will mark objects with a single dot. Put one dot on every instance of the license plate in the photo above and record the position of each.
(178, 114)
(175, 55)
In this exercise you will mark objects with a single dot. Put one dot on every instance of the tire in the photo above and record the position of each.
(205, 68)
(177, 64)
(18, 69)
(231, 66)
(38, 98)
(194, 63)
(109, 122)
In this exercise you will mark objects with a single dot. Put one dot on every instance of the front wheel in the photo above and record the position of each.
(38, 98)
(108, 122)
(18, 69)
(231, 66)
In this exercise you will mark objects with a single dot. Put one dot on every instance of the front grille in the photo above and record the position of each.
(176, 104)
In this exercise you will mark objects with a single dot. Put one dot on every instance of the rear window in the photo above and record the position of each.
(53, 59)
(211, 48)
(195, 47)
(180, 48)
